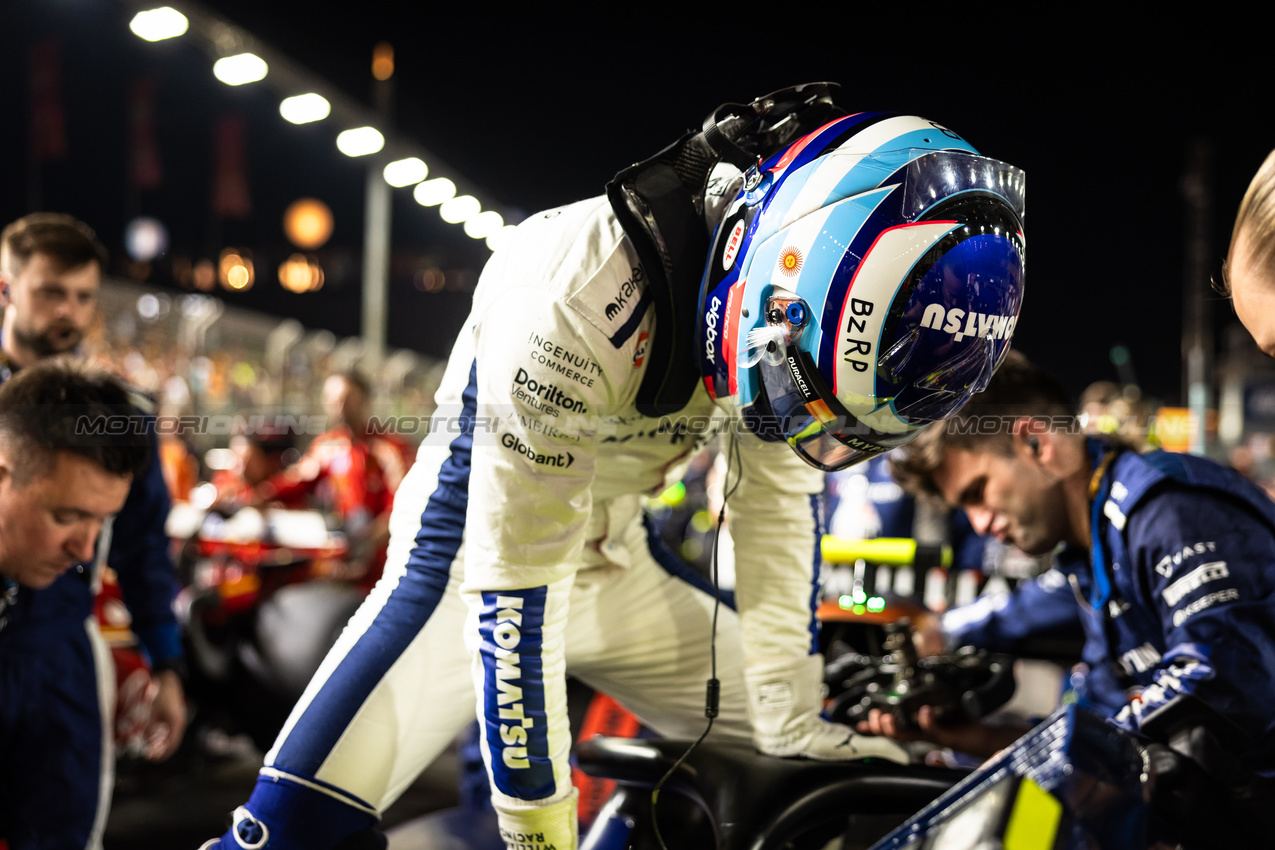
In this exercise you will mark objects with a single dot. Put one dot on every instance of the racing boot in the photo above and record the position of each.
(293, 813)
(784, 700)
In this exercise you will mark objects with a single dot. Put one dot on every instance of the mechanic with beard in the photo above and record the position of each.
(1181, 554)
(50, 271)
(776, 276)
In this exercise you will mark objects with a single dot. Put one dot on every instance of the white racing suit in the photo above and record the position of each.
(520, 527)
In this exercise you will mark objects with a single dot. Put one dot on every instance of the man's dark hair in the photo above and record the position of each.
(1018, 389)
(57, 405)
(70, 242)
(356, 379)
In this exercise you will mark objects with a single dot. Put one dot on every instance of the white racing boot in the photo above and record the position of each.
(784, 700)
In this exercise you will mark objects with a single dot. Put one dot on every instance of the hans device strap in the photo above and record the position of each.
(659, 203)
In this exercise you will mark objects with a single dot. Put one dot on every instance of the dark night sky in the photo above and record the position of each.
(539, 108)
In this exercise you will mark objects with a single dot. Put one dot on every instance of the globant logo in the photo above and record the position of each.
(561, 460)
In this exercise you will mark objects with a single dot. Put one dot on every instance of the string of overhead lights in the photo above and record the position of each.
(243, 61)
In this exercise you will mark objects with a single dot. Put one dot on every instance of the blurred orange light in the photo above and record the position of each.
(300, 273)
(235, 271)
(308, 223)
(204, 276)
(383, 61)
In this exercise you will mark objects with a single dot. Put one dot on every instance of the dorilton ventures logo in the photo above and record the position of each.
(549, 393)
(630, 289)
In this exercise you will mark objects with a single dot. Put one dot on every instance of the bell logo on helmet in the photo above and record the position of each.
(732, 245)
(790, 261)
(961, 324)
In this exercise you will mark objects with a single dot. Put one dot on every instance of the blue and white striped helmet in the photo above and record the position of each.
(864, 283)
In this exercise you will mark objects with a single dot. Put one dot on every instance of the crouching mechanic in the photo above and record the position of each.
(1181, 565)
(58, 486)
(864, 273)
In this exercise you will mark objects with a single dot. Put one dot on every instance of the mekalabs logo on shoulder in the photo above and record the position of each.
(546, 397)
(628, 292)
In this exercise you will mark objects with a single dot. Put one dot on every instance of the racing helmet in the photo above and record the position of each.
(864, 282)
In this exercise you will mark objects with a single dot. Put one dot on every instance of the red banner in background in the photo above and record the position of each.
(145, 170)
(230, 198)
(48, 123)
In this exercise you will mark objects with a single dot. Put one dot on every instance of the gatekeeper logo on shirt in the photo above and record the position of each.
(639, 353)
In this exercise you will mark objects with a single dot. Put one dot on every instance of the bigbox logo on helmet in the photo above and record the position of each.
(872, 224)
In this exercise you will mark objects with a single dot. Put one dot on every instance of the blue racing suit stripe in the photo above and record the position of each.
(415, 597)
(511, 628)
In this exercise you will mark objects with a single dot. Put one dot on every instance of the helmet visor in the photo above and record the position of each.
(810, 418)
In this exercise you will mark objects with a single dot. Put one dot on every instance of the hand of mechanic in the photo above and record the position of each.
(975, 738)
(167, 722)
(927, 634)
(925, 625)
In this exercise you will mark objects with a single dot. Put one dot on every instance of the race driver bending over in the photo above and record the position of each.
(1180, 597)
(573, 391)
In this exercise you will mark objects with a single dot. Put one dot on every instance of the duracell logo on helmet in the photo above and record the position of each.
(629, 289)
(800, 379)
(962, 324)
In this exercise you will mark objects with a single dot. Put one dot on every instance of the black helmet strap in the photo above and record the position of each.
(659, 203)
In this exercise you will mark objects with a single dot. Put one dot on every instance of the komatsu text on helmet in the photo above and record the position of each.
(864, 282)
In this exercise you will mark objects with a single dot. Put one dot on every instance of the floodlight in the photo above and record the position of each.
(240, 69)
(360, 141)
(434, 192)
(304, 108)
(159, 24)
(460, 209)
(405, 172)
